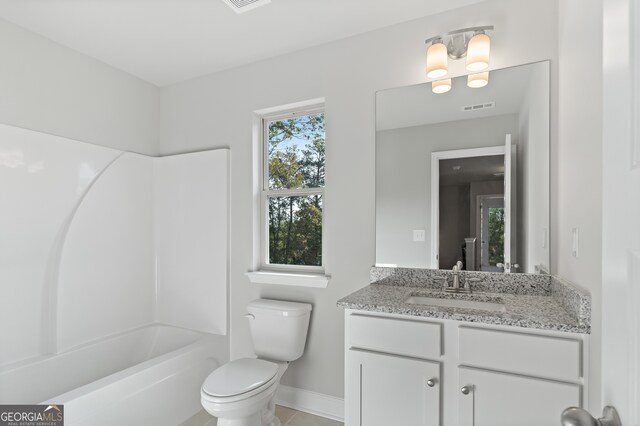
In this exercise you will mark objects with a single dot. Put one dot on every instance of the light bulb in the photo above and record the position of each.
(478, 80)
(437, 60)
(441, 86)
(478, 52)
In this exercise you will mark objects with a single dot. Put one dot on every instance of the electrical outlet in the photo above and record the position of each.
(418, 235)
(575, 241)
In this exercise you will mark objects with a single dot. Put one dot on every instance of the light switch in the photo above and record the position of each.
(418, 235)
(575, 241)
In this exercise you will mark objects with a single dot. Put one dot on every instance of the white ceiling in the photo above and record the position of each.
(167, 41)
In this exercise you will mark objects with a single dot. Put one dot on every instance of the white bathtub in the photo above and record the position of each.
(148, 376)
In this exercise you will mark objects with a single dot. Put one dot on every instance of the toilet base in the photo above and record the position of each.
(265, 417)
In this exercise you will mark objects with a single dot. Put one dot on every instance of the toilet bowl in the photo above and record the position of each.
(242, 392)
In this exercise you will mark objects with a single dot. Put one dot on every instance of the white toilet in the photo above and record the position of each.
(241, 392)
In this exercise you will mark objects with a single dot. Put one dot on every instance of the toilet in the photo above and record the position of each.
(241, 392)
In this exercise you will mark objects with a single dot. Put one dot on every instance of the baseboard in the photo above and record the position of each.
(311, 402)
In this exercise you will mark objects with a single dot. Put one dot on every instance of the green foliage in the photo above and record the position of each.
(496, 236)
(296, 160)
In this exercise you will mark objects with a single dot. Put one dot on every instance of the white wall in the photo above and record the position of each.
(216, 111)
(53, 89)
(577, 186)
(403, 180)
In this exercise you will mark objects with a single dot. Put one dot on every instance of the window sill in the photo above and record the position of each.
(289, 278)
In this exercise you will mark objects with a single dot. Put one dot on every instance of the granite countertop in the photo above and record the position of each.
(564, 308)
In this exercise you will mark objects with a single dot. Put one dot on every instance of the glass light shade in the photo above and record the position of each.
(478, 80)
(437, 65)
(441, 86)
(478, 52)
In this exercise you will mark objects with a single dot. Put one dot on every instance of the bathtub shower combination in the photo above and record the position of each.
(151, 375)
(114, 288)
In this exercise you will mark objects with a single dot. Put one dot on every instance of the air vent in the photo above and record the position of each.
(240, 6)
(476, 107)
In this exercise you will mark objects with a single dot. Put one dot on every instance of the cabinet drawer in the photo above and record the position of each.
(397, 336)
(523, 353)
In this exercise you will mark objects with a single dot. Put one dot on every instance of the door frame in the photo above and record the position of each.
(435, 190)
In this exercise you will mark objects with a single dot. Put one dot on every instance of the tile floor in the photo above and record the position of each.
(287, 416)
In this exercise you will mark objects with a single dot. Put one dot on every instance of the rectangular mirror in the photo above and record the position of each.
(464, 175)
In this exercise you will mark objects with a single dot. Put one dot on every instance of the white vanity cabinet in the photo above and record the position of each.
(393, 390)
(405, 370)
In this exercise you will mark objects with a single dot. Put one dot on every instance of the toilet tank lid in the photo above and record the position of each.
(279, 307)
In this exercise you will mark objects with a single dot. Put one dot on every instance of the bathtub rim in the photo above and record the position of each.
(201, 341)
(45, 357)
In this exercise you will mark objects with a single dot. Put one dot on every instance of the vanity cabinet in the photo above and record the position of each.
(393, 390)
(489, 398)
(409, 370)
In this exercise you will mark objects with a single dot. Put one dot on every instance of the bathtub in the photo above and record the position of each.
(148, 376)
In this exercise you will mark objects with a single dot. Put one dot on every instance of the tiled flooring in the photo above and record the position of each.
(287, 416)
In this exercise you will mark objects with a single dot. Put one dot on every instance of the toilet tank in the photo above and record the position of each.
(278, 328)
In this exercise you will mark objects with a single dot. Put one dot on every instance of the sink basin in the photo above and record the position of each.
(457, 303)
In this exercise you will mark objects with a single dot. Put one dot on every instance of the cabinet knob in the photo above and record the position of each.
(432, 382)
(465, 390)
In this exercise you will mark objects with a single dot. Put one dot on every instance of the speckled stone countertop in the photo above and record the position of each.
(531, 301)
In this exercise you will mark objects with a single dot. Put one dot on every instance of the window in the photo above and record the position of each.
(293, 190)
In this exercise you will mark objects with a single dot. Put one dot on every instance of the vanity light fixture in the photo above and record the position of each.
(472, 43)
(441, 86)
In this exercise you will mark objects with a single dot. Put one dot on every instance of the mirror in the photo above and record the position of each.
(464, 175)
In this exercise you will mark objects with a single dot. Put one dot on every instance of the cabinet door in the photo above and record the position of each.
(501, 399)
(392, 390)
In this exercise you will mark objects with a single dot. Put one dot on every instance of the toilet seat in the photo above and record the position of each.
(240, 379)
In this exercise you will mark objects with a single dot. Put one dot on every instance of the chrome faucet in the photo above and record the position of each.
(456, 276)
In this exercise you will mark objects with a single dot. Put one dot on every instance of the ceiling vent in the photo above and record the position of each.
(476, 107)
(240, 6)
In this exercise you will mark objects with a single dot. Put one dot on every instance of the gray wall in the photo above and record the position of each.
(216, 110)
(533, 174)
(52, 89)
(455, 221)
(49, 88)
(576, 170)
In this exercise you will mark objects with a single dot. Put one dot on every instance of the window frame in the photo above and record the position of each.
(266, 193)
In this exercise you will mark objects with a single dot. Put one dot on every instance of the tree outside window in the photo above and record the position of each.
(294, 188)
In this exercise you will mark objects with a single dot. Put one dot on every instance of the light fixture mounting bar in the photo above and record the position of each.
(462, 31)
